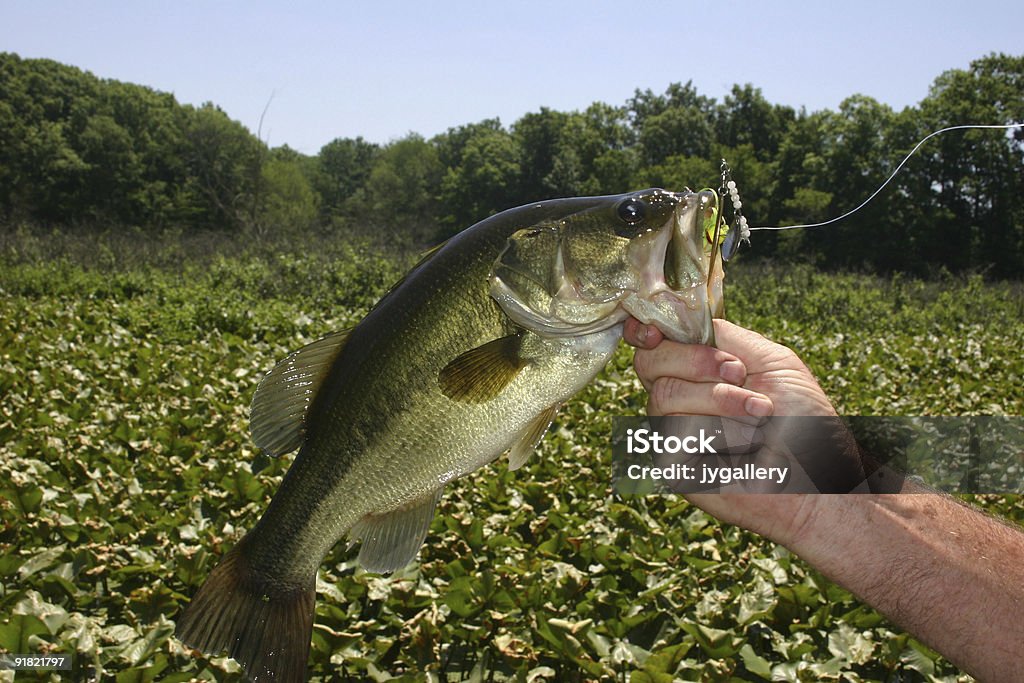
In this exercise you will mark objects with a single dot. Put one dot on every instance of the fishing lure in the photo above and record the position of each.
(718, 237)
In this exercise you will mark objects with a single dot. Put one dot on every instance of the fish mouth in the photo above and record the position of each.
(672, 290)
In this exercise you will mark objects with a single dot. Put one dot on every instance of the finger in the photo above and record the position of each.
(640, 335)
(731, 436)
(674, 396)
(758, 350)
(691, 362)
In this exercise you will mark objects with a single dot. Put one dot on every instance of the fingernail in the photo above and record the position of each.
(758, 407)
(641, 334)
(732, 371)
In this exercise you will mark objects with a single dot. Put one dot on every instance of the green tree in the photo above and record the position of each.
(745, 117)
(797, 188)
(612, 160)
(344, 165)
(974, 176)
(398, 202)
(857, 158)
(452, 143)
(539, 137)
(485, 180)
(289, 204)
(114, 173)
(77, 149)
(224, 163)
(40, 168)
(676, 132)
(678, 123)
(677, 172)
(575, 153)
(590, 145)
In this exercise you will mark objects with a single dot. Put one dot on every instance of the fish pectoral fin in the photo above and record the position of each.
(481, 373)
(530, 437)
(277, 417)
(391, 540)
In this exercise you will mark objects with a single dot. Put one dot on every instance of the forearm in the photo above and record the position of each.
(948, 574)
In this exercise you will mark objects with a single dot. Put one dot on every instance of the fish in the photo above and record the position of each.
(469, 356)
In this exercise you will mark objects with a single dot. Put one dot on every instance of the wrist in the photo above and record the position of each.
(845, 536)
(821, 523)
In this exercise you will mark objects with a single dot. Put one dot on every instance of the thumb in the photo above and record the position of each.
(737, 340)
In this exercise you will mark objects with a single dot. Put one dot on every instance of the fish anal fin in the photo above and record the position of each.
(390, 541)
(277, 417)
(265, 626)
(528, 439)
(478, 375)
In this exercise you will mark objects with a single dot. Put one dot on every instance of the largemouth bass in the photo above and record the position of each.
(469, 356)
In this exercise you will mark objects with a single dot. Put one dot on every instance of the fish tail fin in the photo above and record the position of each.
(263, 624)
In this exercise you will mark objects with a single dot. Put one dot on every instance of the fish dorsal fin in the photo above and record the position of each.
(391, 541)
(277, 417)
(530, 437)
(481, 373)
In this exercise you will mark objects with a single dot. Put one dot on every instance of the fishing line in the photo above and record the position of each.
(882, 186)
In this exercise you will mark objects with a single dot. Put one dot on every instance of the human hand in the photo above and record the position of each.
(746, 378)
(746, 375)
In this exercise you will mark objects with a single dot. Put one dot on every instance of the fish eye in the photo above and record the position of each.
(632, 211)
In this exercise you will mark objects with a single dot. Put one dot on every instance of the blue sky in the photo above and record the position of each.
(383, 69)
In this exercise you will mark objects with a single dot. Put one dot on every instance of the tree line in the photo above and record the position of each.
(78, 151)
